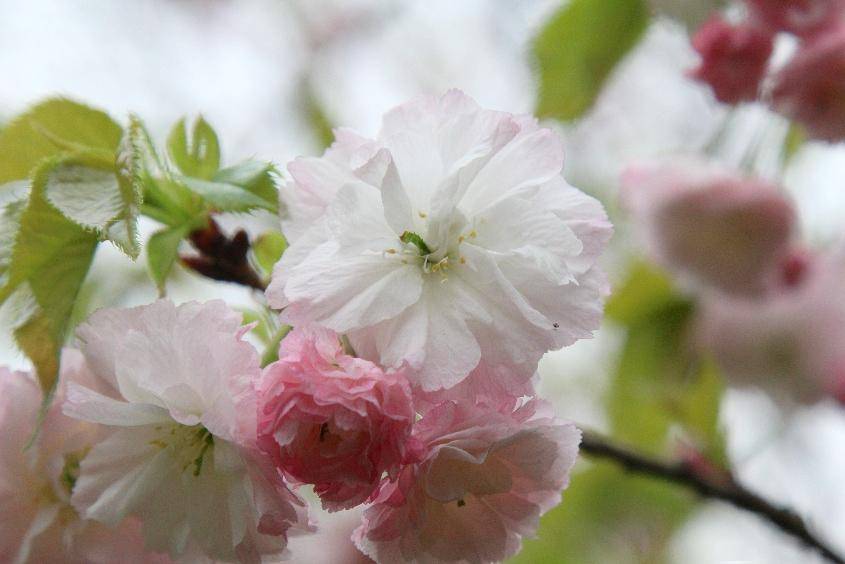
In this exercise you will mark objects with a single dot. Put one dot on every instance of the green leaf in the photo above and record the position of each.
(268, 248)
(579, 47)
(162, 251)
(197, 156)
(661, 384)
(253, 176)
(49, 262)
(13, 200)
(321, 125)
(609, 516)
(646, 290)
(226, 197)
(51, 127)
(89, 192)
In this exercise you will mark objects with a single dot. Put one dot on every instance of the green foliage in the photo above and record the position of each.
(68, 195)
(226, 197)
(86, 189)
(48, 264)
(317, 118)
(661, 385)
(268, 248)
(609, 516)
(255, 177)
(49, 128)
(162, 251)
(197, 155)
(579, 47)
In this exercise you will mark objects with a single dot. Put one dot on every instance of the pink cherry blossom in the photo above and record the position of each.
(38, 522)
(721, 228)
(481, 487)
(810, 89)
(180, 452)
(789, 342)
(333, 420)
(801, 17)
(733, 58)
(449, 238)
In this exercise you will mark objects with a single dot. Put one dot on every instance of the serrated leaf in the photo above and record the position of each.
(253, 176)
(88, 191)
(226, 197)
(609, 516)
(49, 262)
(162, 251)
(268, 249)
(51, 127)
(579, 47)
(197, 156)
(13, 199)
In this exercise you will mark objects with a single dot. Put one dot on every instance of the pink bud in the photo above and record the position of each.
(810, 89)
(733, 58)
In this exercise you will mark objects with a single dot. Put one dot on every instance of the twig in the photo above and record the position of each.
(707, 484)
(223, 258)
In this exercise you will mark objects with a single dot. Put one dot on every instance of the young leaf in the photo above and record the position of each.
(51, 127)
(253, 176)
(226, 197)
(197, 156)
(579, 47)
(88, 191)
(49, 262)
(13, 198)
(162, 251)
(268, 248)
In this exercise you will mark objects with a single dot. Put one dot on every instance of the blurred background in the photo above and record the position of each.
(271, 76)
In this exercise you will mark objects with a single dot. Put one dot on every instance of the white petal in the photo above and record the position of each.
(88, 405)
(119, 474)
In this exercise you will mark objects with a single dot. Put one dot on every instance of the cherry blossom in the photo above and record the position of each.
(734, 58)
(481, 487)
(181, 450)
(810, 89)
(723, 229)
(39, 523)
(332, 420)
(451, 237)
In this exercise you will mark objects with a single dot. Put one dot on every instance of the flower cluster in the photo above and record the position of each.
(430, 269)
(771, 313)
(809, 89)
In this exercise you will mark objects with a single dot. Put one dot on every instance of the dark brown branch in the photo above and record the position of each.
(708, 484)
(223, 258)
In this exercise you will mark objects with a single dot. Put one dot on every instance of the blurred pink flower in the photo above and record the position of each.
(333, 420)
(790, 343)
(180, 450)
(484, 481)
(451, 237)
(38, 522)
(810, 89)
(801, 17)
(723, 229)
(734, 58)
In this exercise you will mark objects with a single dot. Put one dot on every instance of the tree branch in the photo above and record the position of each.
(710, 485)
(223, 258)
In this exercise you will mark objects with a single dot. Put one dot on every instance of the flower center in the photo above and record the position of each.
(191, 444)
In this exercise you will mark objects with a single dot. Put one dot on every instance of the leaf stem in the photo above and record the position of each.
(721, 487)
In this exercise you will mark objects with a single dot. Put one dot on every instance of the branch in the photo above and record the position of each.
(223, 258)
(710, 485)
